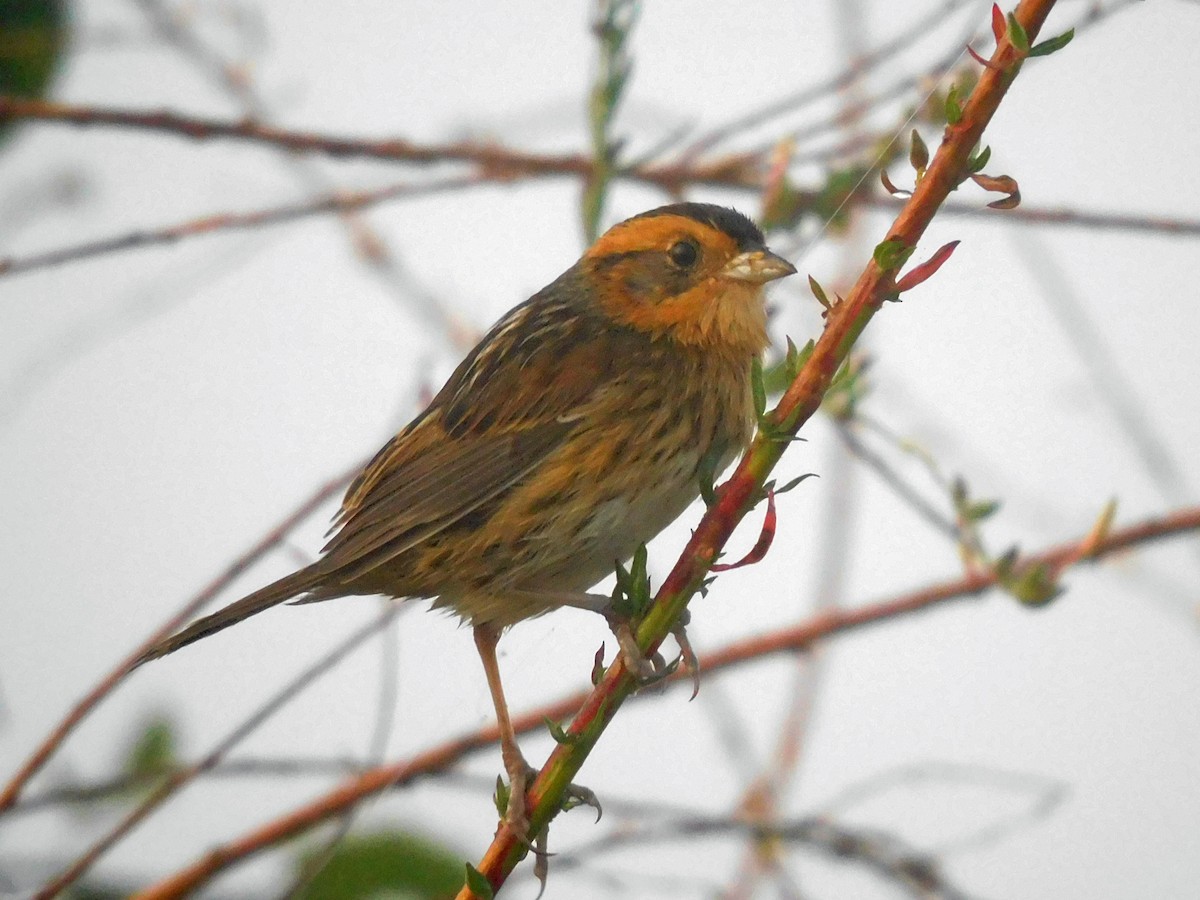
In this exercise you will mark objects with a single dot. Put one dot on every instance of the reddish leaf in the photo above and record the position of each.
(1012, 201)
(986, 63)
(761, 546)
(891, 188)
(925, 270)
(598, 665)
(1001, 184)
(999, 23)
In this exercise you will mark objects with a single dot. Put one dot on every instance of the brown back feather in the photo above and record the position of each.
(510, 404)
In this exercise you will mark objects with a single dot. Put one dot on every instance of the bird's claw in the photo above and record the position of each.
(578, 795)
(515, 811)
(650, 671)
(691, 663)
(647, 670)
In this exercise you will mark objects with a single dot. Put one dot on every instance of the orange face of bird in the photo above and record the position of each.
(696, 279)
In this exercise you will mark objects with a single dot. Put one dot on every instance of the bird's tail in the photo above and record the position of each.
(264, 598)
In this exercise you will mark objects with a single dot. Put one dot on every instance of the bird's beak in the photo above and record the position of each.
(757, 267)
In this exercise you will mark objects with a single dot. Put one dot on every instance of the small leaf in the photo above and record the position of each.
(1005, 564)
(1012, 201)
(983, 61)
(980, 510)
(1016, 34)
(598, 666)
(998, 24)
(918, 154)
(1000, 184)
(979, 160)
(624, 581)
(926, 270)
(765, 537)
(780, 376)
(154, 751)
(819, 293)
(954, 111)
(891, 188)
(558, 733)
(799, 358)
(794, 482)
(1100, 529)
(846, 390)
(1035, 586)
(758, 388)
(706, 472)
(777, 378)
(639, 579)
(1054, 44)
(891, 254)
(791, 357)
(478, 884)
(501, 796)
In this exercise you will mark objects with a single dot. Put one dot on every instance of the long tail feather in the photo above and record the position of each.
(272, 595)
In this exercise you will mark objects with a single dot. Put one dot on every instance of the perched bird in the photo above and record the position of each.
(574, 432)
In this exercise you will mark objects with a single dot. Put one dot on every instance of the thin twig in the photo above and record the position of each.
(855, 71)
(1073, 218)
(250, 767)
(893, 480)
(917, 872)
(368, 244)
(343, 201)
(1047, 795)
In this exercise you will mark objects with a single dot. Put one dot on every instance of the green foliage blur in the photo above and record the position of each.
(33, 37)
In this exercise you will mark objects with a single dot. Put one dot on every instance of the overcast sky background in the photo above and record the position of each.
(161, 409)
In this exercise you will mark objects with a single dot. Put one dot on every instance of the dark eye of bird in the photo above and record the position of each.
(684, 254)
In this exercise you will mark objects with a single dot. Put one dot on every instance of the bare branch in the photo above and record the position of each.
(343, 201)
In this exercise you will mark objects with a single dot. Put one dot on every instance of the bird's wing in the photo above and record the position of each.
(504, 410)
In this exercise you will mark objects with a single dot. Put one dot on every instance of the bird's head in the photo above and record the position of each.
(690, 272)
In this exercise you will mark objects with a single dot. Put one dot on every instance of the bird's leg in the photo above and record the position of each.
(648, 671)
(519, 771)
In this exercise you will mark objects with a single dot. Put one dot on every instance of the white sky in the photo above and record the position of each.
(161, 409)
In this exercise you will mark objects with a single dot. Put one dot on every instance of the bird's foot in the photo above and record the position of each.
(648, 670)
(511, 803)
(654, 669)
(512, 798)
